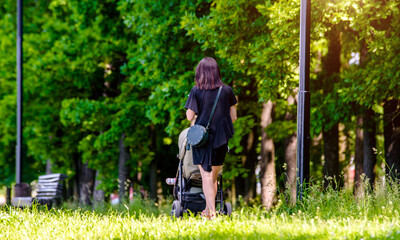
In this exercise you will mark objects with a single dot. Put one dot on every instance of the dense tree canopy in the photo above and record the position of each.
(105, 83)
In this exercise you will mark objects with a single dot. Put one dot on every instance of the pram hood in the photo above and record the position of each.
(182, 141)
(189, 170)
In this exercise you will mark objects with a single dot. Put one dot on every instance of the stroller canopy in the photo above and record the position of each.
(189, 170)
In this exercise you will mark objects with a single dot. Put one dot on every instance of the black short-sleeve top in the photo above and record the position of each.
(201, 102)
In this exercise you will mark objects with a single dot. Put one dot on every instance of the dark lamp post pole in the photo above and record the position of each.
(22, 191)
(19, 154)
(303, 103)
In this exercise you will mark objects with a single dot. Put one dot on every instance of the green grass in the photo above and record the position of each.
(325, 214)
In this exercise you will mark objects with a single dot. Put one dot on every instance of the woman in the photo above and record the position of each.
(210, 157)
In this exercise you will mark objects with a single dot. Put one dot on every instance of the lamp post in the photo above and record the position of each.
(303, 103)
(22, 191)
(19, 154)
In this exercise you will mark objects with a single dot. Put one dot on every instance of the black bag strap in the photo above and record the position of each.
(215, 105)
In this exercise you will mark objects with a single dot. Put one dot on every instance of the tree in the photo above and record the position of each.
(242, 34)
(267, 163)
(223, 29)
(106, 82)
(377, 41)
(160, 66)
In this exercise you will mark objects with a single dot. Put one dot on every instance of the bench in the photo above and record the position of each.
(22, 195)
(50, 189)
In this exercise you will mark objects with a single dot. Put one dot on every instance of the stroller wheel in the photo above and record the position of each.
(176, 209)
(227, 209)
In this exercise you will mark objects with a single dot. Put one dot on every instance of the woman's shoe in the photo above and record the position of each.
(212, 216)
(203, 215)
(208, 217)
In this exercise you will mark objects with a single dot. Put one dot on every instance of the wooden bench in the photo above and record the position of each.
(22, 195)
(50, 189)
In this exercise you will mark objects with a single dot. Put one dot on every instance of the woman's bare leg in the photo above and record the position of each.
(208, 190)
(215, 178)
(215, 171)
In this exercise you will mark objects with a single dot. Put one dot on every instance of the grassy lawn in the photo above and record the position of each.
(321, 215)
(245, 224)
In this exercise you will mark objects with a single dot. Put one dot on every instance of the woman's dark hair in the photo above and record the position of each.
(207, 74)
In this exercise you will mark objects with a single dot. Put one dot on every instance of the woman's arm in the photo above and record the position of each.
(190, 114)
(233, 113)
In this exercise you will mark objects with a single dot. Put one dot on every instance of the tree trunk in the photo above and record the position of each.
(123, 169)
(369, 145)
(239, 186)
(250, 161)
(87, 178)
(392, 138)
(331, 135)
(8, 195)
(77, 180)
(291, 165)
(233, 194)
(389, 108)
(290, 156)
(358, 156)
(153, 166)
(249, 106)
(267, 173)
(98, 195)
(48, 167)
(153, 180)
(331, 154)
(393, 156)
(246, 186)
(359, 147)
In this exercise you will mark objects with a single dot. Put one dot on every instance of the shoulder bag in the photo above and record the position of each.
(197, 135)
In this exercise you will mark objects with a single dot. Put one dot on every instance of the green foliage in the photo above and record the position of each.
(240, 32)
(97, 70)
(279, 130)
(7, 94)
(162, 71)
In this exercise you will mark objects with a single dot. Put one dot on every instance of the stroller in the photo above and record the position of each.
(188, 192)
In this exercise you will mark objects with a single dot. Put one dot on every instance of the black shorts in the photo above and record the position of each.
(219, 155)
